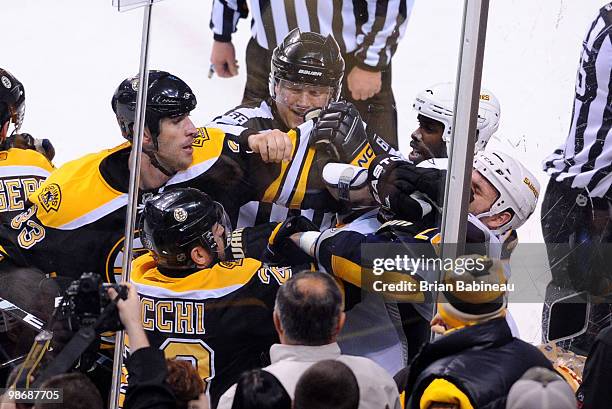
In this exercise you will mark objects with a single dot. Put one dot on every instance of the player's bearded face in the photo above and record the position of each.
(293, 100)
(483, 194)
(175, 150)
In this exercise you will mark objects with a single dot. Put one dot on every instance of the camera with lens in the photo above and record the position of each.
(85, 304)
(71, 340)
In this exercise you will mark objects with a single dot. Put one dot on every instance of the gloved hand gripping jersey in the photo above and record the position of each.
(407, 191)
(281, 249)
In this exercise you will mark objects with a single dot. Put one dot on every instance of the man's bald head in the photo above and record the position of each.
(309, 308)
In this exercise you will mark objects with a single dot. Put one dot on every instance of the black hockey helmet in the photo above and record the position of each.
(175, 221)
(168, 96)
(12, 100)
(308, 58)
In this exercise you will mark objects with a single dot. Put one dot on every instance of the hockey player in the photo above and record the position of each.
(22, 168)
(76, 219)
(435, 107)
(505, 194)
(307, 71)
(196, 304)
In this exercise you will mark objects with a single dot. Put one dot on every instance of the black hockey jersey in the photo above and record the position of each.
(219, 318)
(76, 220)
(21, 172)
(289, 188)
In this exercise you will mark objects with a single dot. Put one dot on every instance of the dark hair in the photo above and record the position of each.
(258, 389)
(327, 384)
(309, 306)
(78, 392)
(184, 381)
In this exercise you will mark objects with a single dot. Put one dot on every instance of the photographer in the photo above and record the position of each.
(146, 365)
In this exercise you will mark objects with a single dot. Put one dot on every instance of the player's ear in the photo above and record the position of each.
(277, 323)
(147, 139)
(500, 219)
(200, 256)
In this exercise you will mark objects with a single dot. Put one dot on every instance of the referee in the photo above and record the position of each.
(576, 210)
(367, 31)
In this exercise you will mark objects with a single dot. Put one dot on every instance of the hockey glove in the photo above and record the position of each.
(404, 190)
(281, 249)
(339, 132)
(26, 141)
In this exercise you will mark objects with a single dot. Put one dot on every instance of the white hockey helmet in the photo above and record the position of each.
(437, 102)
(517, 187)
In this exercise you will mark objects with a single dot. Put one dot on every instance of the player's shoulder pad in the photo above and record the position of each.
(76, 194)
(16, 157)
(141, 265)
(208, 144)
(230, 273)
(221, 279)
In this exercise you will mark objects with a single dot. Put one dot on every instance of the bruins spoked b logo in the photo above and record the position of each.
(180, 214)
(51, 197)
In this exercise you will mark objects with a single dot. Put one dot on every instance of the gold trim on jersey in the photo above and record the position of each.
(26, 158)
(273, 190)
(353, 273)
(213, 282)
(300, 189)
(346, 270)
(85, 195)
(365, 157)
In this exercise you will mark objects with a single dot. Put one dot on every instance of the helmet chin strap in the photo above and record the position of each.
(155, 162)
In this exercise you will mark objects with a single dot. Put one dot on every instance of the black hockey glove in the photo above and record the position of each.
(339, 132)
(403, 189)
(27, 141)
(281, 249)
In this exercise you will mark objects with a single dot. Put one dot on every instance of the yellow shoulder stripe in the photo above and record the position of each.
(442, 391)
(77, 194)
(346, 270)
(221, 275)
(25, 157)
(272, 190)
(300, 189)
(352, 273)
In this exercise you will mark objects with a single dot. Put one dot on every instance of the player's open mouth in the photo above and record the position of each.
(417, 152)
(188, 149)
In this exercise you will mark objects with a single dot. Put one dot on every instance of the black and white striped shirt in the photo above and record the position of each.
(585, 160)
(370, 30)
(299, 171)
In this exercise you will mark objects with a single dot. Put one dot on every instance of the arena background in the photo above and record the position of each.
(71, 54)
